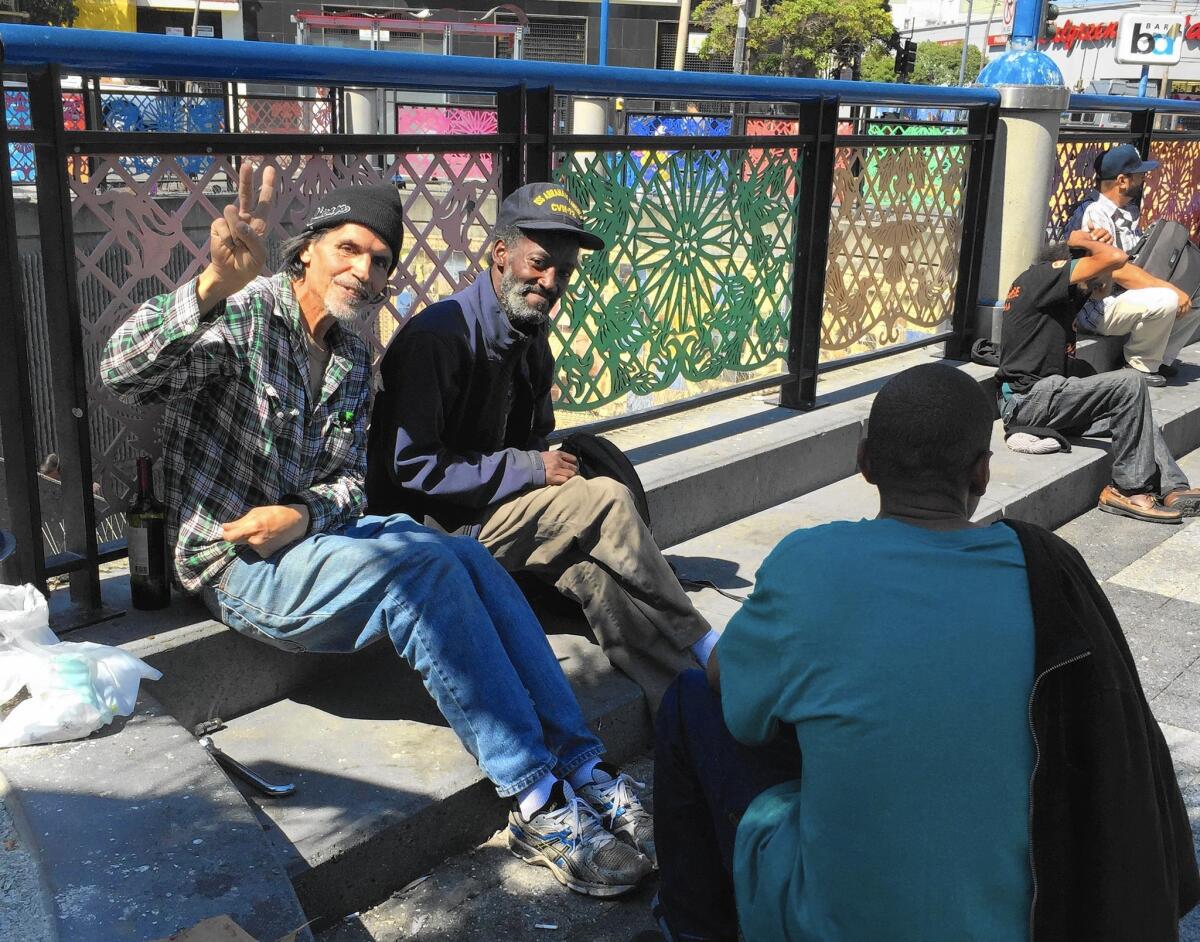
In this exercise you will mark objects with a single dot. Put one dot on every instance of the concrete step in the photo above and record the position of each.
(752, 453)
(1047, 490)
(384, 790)
(139, 834)
(371, 819)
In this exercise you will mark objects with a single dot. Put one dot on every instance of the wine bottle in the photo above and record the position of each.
(146, 531)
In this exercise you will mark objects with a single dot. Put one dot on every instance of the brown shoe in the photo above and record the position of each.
(1186, 500)
(1138, 506)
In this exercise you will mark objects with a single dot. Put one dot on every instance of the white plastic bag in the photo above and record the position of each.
(74, 687)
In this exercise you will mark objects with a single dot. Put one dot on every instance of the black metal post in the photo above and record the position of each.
(20, 482)
(539, 130)
(1141, 124)
(510, 119)
(812, 248)
(981, 121)
(93, 115)
(63, 322)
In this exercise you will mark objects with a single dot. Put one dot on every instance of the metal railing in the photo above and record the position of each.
(1162, 129)
(759, 258)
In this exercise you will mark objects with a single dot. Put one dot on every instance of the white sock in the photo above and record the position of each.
(531, 799)
(704, 647)
(584, 775)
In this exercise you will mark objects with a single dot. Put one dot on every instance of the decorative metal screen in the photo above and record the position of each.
(694, 290)
(1173, 190)
(893, 245)
(443, 120)
(280, 115)
(1074, 176)
(690, 125)
(133, 242)
(16, 114)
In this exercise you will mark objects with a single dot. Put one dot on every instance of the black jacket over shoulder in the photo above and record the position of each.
(462, 417)
(1112, 849)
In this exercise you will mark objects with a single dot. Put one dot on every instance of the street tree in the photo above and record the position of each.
(796, 37)
(50, 12)
(937, 64)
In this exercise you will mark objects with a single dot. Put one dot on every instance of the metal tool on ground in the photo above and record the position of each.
(233, 767)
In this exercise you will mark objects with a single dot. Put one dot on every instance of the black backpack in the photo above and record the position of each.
(600, 458)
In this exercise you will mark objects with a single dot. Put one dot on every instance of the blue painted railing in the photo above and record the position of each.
(97, 52)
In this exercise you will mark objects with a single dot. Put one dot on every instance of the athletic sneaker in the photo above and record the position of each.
(621, 810)
(567, 837)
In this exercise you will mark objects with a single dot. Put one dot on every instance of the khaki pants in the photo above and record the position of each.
(585, 538)
(1156, 333)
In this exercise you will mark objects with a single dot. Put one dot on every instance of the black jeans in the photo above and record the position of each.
(704, 780)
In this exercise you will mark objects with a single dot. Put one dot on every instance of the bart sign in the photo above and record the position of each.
(1150, 39)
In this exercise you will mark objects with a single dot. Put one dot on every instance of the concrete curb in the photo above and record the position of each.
(140, 834)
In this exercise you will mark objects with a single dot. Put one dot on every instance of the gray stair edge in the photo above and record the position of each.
(364, 864)
(1048, 490)
(152, 840)
(778, 461)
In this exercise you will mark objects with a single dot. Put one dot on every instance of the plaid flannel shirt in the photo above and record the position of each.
(239, 430)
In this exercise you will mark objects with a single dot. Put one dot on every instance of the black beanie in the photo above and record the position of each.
(377, 206)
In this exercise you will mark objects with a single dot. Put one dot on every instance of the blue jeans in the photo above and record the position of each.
(449, 610)
(704, 780)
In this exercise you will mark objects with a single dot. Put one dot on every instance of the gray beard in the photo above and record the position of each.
(342, 311)
(520, 314)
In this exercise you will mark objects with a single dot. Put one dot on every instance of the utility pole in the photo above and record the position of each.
(681, 37)
(739, 41)
(962, 63)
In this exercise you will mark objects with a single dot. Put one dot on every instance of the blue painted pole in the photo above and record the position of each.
(1023, 63)
(604, 32)
(1144, 82)
(1027, 22)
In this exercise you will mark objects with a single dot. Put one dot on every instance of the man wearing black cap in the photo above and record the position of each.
(458, 439)
(1156, 315)
(267, 387)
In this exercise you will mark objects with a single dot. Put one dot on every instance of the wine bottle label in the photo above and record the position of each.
(139, 550)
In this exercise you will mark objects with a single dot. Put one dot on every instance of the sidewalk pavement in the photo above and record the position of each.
(1151, 574)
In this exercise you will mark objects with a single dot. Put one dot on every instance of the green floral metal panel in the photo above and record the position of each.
(696, 280)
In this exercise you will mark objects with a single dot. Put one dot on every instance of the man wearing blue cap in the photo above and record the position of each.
(1156, 315)
(459, 439)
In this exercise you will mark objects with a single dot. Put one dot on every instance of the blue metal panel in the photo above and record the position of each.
(1129, 103)
(98, 52)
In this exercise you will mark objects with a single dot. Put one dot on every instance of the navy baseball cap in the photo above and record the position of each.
(1124, 158)
(546, 207)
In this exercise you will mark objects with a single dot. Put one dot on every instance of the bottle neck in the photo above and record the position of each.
(145, 486)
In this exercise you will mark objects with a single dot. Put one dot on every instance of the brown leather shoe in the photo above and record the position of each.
(1186, 500)
(1138, 506)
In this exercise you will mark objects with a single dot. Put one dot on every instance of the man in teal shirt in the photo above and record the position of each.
(896, 658)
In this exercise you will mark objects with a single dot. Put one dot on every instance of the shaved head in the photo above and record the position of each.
(928, 427)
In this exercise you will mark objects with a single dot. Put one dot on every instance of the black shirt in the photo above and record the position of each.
(1037, 334)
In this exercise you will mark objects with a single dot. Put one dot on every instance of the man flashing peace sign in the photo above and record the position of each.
(267, 391)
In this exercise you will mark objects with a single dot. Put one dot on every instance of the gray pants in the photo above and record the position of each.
(586, 539)
(1142, 463)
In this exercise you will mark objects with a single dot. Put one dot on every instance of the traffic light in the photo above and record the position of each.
(906, 58)
(1050, 15)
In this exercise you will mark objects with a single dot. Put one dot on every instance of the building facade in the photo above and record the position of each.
(1084, 47)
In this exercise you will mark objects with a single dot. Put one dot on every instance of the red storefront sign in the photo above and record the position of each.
(1070, 33)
